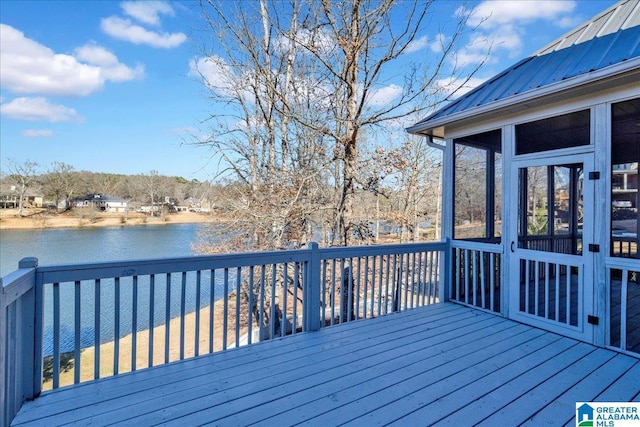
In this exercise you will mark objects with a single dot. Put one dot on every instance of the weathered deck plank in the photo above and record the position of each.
(444, 364)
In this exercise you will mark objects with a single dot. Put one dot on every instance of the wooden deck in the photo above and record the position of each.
(444, 364)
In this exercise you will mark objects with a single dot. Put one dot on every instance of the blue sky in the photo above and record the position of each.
(105, 86)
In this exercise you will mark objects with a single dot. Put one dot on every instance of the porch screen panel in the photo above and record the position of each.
(478, 187)
(625, 157)
(565, 131)
(550, 208)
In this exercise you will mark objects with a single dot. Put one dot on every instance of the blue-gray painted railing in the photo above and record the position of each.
(623, 285)
(19, 380)
(87, 321)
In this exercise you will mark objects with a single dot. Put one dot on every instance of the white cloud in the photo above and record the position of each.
(27, 66)
(501, 25)
(38, 109)
(124, 29)
(37, 133)
(384, 95)
(417, 44)
(109, 65)
(147, 12)
(495, 13)
(215, 72)
(455, 87)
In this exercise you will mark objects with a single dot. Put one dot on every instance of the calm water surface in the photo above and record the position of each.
(86, 245)
(90, 245)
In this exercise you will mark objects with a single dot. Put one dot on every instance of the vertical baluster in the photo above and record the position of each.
(250, 304)
(483, 292)
(225, 312)
(212, 301)
(152, 303)
(547, 269)
(263, 279)
(467, 279)
(196, 339)
(397, 282)
(381, 281)
(345, 315)
(568, 306)
(373, 286)
(438, 277)
(273, 316)
(409, 284)
(183, 311)
(116, 327)
(134, 324)
(366, 287)
(56, 335)
(333, 291)
(323, 290)
(77, 331)
(492, 279)
(296, 283)
(428, 271)
(536, 288)
(349, 290)
(409, 267)
(357, 287)
(526, 286)
(558, 271)
(458, 269)
(96, 330)
(624, 289)
(388, 276)
(238, 283)
(167, 319)
(416, 277)
(285, 283)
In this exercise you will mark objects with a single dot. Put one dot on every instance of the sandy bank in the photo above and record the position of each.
(39, 219)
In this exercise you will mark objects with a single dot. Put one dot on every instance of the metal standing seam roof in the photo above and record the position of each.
(607, 39)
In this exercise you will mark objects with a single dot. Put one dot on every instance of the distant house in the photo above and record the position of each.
(105, 203)
(10, 197)
(559, 138)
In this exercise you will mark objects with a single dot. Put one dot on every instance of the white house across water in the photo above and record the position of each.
(557, 138)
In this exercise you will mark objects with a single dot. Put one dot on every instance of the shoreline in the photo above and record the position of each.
(35, 219)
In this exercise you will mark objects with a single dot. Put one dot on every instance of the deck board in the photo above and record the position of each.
(444, 364)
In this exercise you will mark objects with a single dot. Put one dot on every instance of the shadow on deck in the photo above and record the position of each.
(441, 364)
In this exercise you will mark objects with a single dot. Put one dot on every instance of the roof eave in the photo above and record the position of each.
(436, 127)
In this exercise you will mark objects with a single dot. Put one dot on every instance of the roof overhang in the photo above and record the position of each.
(609, 77)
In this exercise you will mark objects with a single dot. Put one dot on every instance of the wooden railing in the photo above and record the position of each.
(476, 274)
(623, 304)
(63, 325)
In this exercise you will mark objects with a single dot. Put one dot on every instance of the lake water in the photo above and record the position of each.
(81, 245)
(89, 245)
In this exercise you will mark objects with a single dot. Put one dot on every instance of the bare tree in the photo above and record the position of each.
(313, 75)
(24, 176)
(60, 183)
(410, 171)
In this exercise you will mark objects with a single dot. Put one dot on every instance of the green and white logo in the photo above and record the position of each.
(607, 414)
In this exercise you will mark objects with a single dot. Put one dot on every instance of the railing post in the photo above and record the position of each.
(446, 273)
(4, 421)
(17, 339)
(31, 308)
(311, 321)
